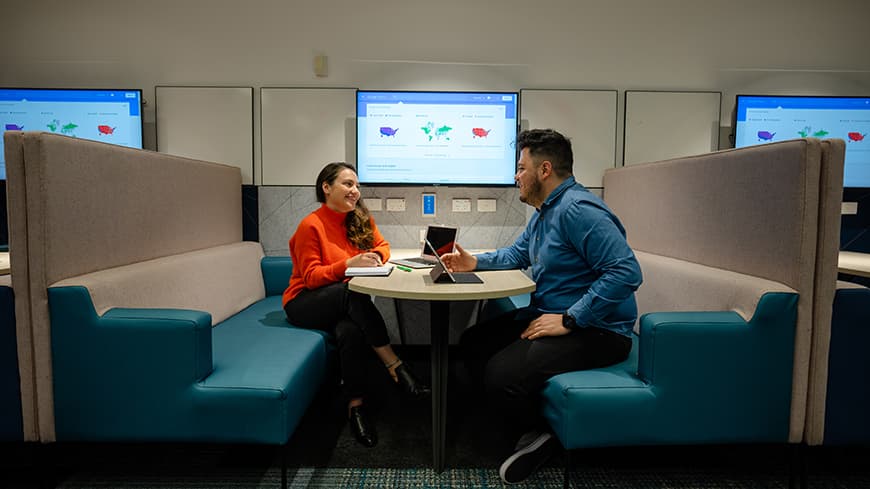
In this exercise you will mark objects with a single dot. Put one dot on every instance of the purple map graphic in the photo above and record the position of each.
(765, 136)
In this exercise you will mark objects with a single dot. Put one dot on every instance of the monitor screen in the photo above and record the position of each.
(761, 119)
(110, 116)
(436, 138)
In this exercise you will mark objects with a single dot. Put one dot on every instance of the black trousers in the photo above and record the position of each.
(512, 371)
(354, 321)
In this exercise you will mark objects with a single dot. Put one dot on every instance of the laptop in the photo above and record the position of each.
(441, 274)
(443, 238)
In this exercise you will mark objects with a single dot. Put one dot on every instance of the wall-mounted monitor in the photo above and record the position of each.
(110, 116)
(762, 119)
(436, 138)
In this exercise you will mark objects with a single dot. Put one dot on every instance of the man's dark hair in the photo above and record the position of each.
(547, 144)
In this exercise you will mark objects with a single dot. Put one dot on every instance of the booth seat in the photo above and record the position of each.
(727, 243)
(10, 381)
(147, 318)
(137, 356)
(717, 369)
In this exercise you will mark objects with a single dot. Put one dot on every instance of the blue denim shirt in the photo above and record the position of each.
(580, 261)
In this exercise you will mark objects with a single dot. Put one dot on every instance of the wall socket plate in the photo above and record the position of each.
(849, 208)
(485, 205)
(396, 205)
(461, 205)
(374, 204)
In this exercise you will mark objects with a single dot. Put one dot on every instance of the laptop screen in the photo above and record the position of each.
(443, 238)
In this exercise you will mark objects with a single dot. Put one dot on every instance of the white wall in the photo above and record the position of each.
(739, 46)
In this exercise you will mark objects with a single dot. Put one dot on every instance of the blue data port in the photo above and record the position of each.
(428, 205)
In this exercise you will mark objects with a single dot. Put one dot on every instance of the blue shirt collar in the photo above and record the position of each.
(568, 182)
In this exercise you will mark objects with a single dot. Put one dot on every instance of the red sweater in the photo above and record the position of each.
(319, 248)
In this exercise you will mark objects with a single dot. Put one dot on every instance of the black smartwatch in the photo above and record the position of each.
(568, 321)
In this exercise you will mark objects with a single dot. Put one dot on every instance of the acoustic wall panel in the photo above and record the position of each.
(302, 129)
(663, 125)
(207, 123)
(587, 117)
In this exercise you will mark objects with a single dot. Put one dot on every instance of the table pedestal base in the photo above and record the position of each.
(439, 324)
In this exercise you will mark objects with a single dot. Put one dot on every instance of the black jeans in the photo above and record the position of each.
(513, 371)
(354, 321)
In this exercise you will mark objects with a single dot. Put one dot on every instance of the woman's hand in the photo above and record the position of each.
(460, 260)
(367, 259)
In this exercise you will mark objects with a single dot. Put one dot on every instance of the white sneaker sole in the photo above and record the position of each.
(529, 449)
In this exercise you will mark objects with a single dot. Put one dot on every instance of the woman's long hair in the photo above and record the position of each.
(358, 222)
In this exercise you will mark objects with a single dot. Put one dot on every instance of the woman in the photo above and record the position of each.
(338, 235)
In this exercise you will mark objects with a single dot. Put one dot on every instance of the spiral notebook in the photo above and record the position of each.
(381, 271)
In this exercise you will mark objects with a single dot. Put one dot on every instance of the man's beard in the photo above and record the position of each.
(533, 192)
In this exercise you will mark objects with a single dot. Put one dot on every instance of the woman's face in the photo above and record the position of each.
(343, 193)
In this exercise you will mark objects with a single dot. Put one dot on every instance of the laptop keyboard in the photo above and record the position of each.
(419, 260)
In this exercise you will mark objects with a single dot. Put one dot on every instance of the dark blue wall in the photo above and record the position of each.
(855, 229)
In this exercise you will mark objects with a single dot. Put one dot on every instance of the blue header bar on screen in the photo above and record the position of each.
(131, 97)
(506, 99)
(745, 102)
(107, 115)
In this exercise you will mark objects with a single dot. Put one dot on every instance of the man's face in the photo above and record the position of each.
(528, 180)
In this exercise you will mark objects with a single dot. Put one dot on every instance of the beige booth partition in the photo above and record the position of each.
(702, 210)
(57, 231)
(828, 247)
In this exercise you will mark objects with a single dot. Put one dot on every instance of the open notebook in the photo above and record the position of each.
(381, 271)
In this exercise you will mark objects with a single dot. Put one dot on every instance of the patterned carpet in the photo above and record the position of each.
(323, 454)
(333, 478)
(359, 478)
(116, 466)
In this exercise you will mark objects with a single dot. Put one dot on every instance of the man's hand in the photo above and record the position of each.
(545, 325)
(460, 260)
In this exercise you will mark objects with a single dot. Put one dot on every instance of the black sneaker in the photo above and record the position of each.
(525, 461)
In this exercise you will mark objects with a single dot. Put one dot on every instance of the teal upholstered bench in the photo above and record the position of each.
(727, 244)
(132, 373)
(691, 378)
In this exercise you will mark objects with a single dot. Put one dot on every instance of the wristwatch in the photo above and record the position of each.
(568, 321)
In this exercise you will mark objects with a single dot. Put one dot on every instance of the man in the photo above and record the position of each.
(583, 309)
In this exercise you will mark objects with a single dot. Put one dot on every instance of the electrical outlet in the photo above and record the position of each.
(396, 205)
(422, 236)
(374, 204)
(485, 205)
(849, 208)
(461, 205)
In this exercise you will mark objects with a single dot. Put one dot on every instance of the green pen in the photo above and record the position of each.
(404, 269)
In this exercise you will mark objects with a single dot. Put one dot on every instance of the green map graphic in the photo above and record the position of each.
(439, 133)
(808, 131)
(67, 129)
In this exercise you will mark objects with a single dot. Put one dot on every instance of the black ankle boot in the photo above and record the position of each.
(362, 427)
(410, 384)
